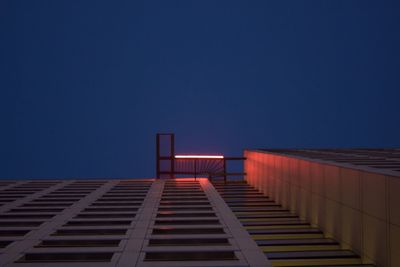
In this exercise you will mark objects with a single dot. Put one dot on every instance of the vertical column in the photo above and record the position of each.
(247, 246)
(165, 160)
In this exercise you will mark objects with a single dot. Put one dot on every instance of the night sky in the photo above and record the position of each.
(86, 85)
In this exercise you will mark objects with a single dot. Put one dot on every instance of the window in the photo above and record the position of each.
(186, 214)
(187, 231)
(96, 223)
(56, 200)
(190, 256)
(89, 232)
(46, 204)
(189, 242)
(26, 216)
(109, 209)
(79, 243)
(106, 215)
(20, 223)
(121, 199)
(66, 257)
(13, 232)
(36, 210)
(185, 208)
(117, 204)
(186, 222)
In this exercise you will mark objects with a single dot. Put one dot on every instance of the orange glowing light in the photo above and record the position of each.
(199, 157)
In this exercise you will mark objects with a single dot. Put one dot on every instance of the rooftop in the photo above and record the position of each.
(378, 160)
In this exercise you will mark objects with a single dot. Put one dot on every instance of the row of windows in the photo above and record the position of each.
(21, 190)
(184, 217)
(150, 256)
(181, 205)
(116, 208)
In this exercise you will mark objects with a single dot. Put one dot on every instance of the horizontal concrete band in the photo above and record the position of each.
(357, 207)
(121, 223)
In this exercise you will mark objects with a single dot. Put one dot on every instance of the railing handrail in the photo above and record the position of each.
(210, 165)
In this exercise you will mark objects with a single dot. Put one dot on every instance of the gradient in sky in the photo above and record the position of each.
(86, 85)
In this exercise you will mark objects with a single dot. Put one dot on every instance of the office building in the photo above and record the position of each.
(294, 208)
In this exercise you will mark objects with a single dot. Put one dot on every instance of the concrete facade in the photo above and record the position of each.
(121, 223)
(353, 196)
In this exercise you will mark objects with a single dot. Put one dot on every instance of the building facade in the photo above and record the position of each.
(352, 195)
(295, 208)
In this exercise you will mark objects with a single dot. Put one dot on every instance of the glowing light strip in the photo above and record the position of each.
(198, 157)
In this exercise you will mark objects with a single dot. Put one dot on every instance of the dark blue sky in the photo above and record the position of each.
(86, 85)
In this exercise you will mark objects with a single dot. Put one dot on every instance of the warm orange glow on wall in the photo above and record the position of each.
(199, 157)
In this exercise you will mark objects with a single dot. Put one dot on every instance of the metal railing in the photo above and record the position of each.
(170, 165)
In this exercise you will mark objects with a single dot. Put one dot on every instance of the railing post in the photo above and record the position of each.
(225, 170)
(158, 155)
(172, 149)
(195, 169)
